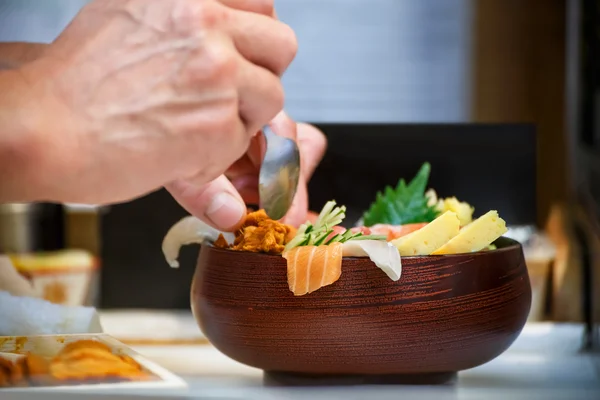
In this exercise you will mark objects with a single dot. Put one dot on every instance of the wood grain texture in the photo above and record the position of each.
(446, 314)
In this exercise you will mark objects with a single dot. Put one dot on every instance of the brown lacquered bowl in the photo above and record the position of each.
(445, 314)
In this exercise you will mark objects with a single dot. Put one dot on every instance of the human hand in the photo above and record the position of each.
(136, 95)
(15, 54)
(243, 174)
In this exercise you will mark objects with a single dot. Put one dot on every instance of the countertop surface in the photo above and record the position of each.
(544, 362)
(133, 326)
(545, 359)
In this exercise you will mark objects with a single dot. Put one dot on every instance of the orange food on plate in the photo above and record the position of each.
(83, 344)
(5, 368)
(13, 372)
(18, 373)
(90, 359)
(312, 267)
(81, 361)
(95, 366)
(38, 370)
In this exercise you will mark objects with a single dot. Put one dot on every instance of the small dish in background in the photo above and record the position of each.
(67, 277)
(15, 375)
(540, 253)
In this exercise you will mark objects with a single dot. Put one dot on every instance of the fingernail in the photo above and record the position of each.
(225, 211)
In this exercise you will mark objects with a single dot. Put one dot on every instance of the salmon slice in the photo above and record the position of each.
(396, 231)
(337, 230)
(311, 267)
(361, 229)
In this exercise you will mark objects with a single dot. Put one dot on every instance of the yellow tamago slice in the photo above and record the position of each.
(429, 238)
(476, 236)
(463, 210)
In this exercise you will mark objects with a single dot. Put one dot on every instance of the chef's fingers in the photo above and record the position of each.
(241, 167)
(298, 212)
(247, 187)
(243, 174)
(284, 126)
(312, 144)
(256, 151)
(263, 40)
(250, 162)
(260, 96)
(265, 7)
(217, 203)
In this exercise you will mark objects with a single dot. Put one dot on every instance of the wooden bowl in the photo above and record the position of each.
(445, 314)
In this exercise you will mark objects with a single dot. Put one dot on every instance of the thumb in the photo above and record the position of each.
(217, 203)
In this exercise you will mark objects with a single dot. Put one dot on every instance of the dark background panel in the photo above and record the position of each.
(134, 271)
(490, 166)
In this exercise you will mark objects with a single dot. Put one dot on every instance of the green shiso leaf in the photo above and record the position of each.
(404, 204)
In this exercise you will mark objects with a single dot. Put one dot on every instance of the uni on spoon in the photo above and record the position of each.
(279, 175)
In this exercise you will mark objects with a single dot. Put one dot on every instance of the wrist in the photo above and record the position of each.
(15, 54)
(26, 166)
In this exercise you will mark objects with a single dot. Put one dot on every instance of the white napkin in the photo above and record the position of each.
(21, 314)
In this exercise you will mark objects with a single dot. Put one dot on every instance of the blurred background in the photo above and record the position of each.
(500, 96)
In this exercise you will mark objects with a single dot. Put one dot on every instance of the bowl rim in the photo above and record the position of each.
(509, 244)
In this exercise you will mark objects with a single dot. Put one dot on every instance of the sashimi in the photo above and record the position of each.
(337, 230)
(309, 268)
(383, 254)
(188, 230)
(361, 229)
(395, 231)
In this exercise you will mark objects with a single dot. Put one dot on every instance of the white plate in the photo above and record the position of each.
(50, 345)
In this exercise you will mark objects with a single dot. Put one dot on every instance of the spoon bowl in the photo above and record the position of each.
(279, 174)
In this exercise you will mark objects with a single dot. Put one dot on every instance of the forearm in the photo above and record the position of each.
(15, 54)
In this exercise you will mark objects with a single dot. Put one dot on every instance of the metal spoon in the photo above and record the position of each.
(279, 174)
